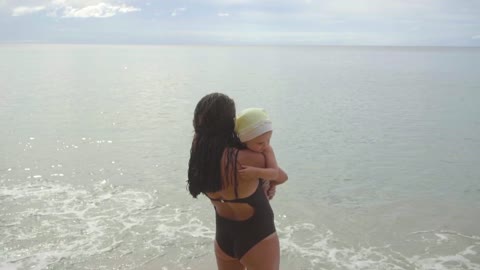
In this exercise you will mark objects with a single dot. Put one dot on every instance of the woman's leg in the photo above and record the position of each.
(225, 262)
(263, 256)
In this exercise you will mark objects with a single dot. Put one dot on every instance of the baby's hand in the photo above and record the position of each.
(269, 189)
(268, 149)
(248, 171)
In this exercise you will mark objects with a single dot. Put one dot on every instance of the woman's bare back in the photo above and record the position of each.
(246, 187)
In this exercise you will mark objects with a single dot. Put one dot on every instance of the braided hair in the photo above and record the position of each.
(214, 125)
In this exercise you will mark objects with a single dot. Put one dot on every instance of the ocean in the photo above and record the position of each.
(381, 145)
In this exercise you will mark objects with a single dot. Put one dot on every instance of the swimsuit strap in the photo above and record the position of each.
(239, 200)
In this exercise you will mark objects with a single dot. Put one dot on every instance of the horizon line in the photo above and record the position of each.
(231, 45)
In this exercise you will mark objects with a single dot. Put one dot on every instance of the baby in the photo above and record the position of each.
(254, 129)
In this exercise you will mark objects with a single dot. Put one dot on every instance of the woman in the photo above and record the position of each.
(245, 232)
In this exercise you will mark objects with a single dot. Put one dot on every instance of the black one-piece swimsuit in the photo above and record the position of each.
(236, 237)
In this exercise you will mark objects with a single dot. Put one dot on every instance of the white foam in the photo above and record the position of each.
(445, 262)
(51, 225)
(103, 222)
(324, 251)
(196, 228)
(441, 237)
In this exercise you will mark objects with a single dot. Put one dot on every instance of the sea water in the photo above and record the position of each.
(381, 145)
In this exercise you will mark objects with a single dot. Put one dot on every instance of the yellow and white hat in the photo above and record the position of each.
(251, 123)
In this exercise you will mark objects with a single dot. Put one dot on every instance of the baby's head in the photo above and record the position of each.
(254, 129)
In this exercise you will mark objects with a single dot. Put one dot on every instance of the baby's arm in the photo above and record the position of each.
(271, 163)
(256, 172)
(271, 171)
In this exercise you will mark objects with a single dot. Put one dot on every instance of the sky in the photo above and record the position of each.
(243, 22)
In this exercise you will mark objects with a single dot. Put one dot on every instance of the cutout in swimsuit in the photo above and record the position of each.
(236, 237)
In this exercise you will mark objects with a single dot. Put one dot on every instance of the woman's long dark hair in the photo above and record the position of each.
(214, 125)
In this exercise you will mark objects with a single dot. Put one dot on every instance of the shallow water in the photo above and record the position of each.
(381, 146)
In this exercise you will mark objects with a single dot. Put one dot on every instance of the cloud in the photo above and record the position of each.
(20, 11)
(177, 11)
(223, 14)
(76, 8)
(101, 10)
(476, 37)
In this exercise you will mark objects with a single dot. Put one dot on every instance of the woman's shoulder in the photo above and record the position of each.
(248, 157)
